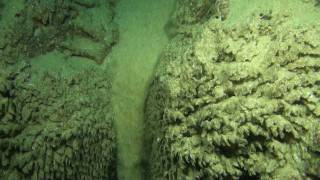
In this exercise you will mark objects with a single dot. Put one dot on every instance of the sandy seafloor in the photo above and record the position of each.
(142, 38)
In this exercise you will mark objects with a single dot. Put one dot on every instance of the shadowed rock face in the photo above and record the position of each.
(54, 126)
(192, 12)
(1, 7)
(59, 129)
(76, 28)
(237, 102)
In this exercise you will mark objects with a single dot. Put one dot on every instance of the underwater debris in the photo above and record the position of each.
(236, 103)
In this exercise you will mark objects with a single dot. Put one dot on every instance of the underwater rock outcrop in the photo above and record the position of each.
(61, 128)
(188, 13)
(237, 102)
(75, 27)
(56, 125)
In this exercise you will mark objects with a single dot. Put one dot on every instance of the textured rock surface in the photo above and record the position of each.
(188, 13)
(237, 102)
(55, 124)
(57, 129)
(33, 27)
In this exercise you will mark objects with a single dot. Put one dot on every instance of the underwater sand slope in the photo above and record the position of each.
(142, 38)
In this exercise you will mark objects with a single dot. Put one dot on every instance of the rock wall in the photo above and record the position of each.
(54, 126)
(59, 129)
(74, 27)
(237, 102)
(189, 13)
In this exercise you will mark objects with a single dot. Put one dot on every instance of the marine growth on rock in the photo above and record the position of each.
(77, 28)
(237, 102)
(59, 129)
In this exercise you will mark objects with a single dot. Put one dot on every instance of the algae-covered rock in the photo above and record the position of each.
(188, 13)
(56, 125)
(237, 102)
(33, 27)
(60, 128)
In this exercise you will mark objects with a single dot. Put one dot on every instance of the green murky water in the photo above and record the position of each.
(79, 79)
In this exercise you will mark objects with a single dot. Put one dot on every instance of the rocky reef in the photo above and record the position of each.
(75, 27)
(61, 128)
(54, 126)
(237, 102)
(189, 13)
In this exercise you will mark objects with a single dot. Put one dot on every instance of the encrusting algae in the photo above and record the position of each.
(237, 102)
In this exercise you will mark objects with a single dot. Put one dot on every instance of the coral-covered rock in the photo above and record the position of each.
(237, 102)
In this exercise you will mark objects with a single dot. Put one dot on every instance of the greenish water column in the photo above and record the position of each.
(142, 37)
